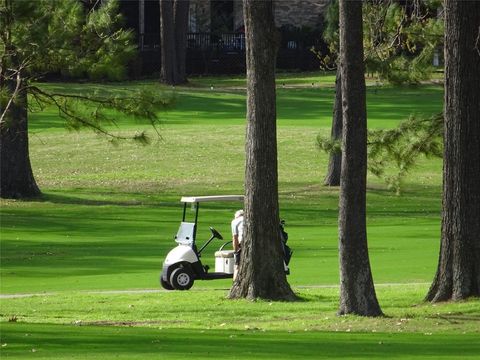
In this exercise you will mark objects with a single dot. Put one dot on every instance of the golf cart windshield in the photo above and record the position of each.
(185, 233)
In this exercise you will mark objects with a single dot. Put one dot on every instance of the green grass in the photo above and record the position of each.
(203, 308)
(42, 342)
(108, 215)
(69, 242)
(299, 104)
(204, 323)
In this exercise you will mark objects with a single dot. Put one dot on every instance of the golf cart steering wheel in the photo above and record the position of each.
(216, 234)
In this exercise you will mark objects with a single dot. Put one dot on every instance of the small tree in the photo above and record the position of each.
(261, 272)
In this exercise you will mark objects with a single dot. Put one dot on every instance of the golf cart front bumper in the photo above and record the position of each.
(166, 271)
(197, 270)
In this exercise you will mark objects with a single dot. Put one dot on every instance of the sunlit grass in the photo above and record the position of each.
(112, 325)
(210, 309)
(108, 215)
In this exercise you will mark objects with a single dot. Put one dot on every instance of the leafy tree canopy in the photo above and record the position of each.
(399, 40)
(45, 36)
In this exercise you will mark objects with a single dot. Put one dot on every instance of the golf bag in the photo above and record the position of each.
(287, 252)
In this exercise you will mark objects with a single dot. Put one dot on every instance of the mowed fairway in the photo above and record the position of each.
(92, 247)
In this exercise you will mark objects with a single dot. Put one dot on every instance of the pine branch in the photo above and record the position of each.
(399, 148)
(143, 105)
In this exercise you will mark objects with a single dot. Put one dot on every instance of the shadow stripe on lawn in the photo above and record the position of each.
(148, 291)
(73, 342)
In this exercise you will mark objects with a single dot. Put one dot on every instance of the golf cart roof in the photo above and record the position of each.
(198, 199)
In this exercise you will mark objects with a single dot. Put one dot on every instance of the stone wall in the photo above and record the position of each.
(199, 16)
(287, 12)
(299, 12)
(238, 14)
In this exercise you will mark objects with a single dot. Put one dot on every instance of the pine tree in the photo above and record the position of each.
(458, 272)
(62, 36)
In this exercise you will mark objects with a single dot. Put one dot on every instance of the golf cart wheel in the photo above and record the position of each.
(166, 285)
(181, 278)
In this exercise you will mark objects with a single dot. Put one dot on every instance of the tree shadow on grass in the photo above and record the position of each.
(315, 298)
(458, 318)
(105, 342)
(109, 198)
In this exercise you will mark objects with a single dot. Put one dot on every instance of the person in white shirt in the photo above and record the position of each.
(237, 230)
(237, 237)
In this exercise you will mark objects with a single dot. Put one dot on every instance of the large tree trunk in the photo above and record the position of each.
(261, 272)
(357, 292)
(173, 40)
(168, 72)
(181, 27)
(16, 176)
(458, 272)
(335, 161)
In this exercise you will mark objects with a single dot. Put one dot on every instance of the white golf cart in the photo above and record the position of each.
(183, 266)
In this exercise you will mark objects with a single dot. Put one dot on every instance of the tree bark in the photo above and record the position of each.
(167, 39)
(335, 162)
(181, 27)
(173, 40)
(458, 272)
(357, 292)
(261, 272)
(16, 176)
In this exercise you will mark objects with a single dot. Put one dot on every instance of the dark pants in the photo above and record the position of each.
(236, 256)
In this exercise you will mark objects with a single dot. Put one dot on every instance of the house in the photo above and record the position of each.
(227, 15)
(216, 41)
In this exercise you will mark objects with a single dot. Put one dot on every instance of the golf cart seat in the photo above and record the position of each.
(224, 254)
(185, 234)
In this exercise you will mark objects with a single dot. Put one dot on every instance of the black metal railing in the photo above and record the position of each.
(209, 53)
(224, 41)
